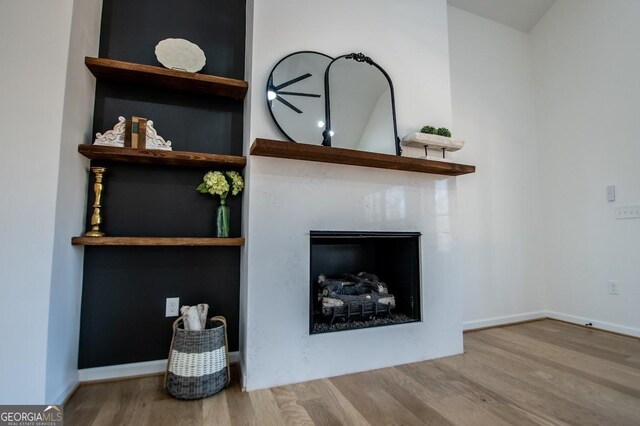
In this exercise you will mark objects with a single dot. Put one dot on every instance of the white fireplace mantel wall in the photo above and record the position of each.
(286, 199)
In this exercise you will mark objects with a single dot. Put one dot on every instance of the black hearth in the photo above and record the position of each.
(363, 279)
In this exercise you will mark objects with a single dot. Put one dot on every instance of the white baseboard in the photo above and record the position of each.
(602, 325)
(506, 319)
(153, 367)
(528, 316)
(123, 371)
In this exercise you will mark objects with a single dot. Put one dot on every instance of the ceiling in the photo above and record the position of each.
(522, 15)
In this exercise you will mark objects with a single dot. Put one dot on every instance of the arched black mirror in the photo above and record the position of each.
(360, 106)
(295, 96)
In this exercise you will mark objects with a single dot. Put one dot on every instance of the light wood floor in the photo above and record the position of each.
(544, 372)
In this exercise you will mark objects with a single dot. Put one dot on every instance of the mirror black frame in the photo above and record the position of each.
(358, 57)
(271, 87)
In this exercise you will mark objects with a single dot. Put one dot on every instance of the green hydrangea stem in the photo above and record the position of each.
(223, 220)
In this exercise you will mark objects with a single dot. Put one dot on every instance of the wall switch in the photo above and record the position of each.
(173, 307)
(628, 212)
(611, 193)
(613, 287)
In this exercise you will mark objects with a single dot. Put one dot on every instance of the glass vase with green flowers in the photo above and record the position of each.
(222, 184)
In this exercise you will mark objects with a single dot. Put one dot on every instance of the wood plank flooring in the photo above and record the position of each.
(539, 373)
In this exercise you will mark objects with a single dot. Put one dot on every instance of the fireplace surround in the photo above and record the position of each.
(276, 344)
(363, 279)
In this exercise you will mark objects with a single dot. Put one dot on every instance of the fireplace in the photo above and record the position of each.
(363, 279)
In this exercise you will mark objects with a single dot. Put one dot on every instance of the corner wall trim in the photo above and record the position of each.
(136, 369)
(243, 376)
(66, 393)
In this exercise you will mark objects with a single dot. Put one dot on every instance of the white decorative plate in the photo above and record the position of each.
(180, 54)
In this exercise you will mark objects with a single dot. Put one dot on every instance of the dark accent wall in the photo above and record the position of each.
(125, 288)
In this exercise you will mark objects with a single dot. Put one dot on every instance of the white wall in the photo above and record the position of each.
(66, 279)
(537, 234)
(32, 83)
(45, 110)
(408, 38)
(587, 68)
(493, 109)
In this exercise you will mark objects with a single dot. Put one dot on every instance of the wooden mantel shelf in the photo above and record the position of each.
(157, 241)
(171, 158)
(319, 153)
(157, 76)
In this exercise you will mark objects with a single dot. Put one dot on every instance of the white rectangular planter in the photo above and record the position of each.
(420, 140)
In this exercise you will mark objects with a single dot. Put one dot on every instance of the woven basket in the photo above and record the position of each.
(198, 363)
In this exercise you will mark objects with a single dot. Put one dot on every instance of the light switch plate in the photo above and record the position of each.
(611, 193)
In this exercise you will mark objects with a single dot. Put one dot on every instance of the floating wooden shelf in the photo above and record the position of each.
(157, 241)
(157, 76)
(325, 154)
(171, 158)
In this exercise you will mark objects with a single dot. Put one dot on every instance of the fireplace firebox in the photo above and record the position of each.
(363, 279)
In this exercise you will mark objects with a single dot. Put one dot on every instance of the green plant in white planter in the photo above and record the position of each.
(220, 183)
(430, 130)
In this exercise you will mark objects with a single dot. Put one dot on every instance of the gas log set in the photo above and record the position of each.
(354, 297)
(342, 298)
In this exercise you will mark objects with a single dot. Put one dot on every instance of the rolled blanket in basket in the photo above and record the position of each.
(191, 318)
(203, 309)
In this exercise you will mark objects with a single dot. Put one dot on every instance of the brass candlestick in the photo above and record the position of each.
(96, 218)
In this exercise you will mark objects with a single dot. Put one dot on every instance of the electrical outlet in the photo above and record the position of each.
(613, 287)
(173, 307)
(628, 212)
